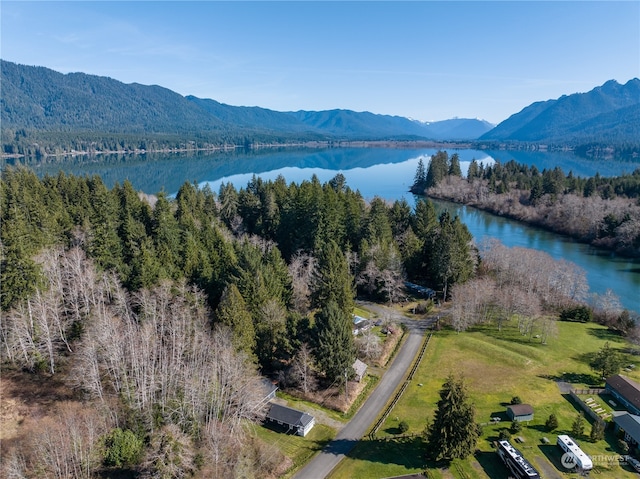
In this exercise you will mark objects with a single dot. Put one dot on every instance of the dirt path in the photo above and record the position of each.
(547, 469)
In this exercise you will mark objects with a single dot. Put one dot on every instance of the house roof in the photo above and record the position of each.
(359, 367)
(289, 416)
(626, 387)
(520, 409)
(630, 423)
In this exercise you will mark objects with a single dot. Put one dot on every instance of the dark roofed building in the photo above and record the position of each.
(294, 420)
(629, 424)
(626, 391)
(520, 412)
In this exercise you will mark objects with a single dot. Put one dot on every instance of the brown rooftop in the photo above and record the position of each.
(521, 409)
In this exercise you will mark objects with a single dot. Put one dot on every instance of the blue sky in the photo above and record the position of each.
(426, 60)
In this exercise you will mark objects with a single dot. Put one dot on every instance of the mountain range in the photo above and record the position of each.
(37, 103)
(37, 98)
(607, 114)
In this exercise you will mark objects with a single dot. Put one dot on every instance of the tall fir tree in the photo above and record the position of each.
(450, 253)
(232, 312)
(454, 432)
(420, 179)
(333, 281)
(438, 169)
(335, 350)
(454, 166)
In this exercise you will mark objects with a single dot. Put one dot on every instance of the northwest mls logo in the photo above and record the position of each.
(568, 460)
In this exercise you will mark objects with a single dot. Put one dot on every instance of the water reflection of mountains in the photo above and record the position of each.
(153, 172)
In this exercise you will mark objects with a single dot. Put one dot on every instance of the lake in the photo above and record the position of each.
(383, 172)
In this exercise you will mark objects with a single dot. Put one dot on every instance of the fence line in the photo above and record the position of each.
(592, 414)
(398, 395)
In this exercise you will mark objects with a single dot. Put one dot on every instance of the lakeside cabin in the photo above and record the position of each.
(292, 420)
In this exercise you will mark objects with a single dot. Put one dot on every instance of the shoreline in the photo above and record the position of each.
(633, 255)
(399, 144)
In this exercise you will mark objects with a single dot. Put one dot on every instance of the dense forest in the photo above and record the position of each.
(160, 312)
(163, 314)
(603, 211)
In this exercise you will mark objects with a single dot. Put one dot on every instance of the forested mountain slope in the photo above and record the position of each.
(76, 111)
(608, 113)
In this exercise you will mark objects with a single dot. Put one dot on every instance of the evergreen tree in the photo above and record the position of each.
(551, 424)
(417, 248)
(451, 259)
(474, 170)
(577, 428)
(104, 245)
(335, 350)
(377, 227)
(606, 361)
(271, 334)
(454, 166)
(536, 191)
(454, 432)
(333, 281)
(228, 197)
(597, 431)
(400, 217)
(232, 311)
(438, 169)
(166, 234)
(420, 179)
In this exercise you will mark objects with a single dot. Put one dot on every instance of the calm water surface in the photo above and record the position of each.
(387, 173)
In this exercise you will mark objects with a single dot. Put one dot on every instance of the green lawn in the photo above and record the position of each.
(497, 365)
(299, 449)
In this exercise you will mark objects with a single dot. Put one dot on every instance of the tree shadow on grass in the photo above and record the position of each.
(509, 334)
(542, 428)
(573, 378)
(492, 464)
(407, 451)
(606, 334)
(553, 454)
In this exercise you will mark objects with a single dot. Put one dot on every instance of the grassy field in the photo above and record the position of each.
(496, 365)
(298, 449)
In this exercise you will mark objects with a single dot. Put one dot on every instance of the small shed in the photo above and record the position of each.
(520, 412)
(360, 369)
(293, 420)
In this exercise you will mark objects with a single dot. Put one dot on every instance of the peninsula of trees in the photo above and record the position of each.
(604, 212)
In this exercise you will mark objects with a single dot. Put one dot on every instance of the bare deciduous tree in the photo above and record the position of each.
(302, 270)
(302, 371)
(368, 345)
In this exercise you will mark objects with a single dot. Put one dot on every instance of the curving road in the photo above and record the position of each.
(323, 463)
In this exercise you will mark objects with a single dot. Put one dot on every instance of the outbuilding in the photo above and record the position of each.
(626, 391)
(629, 426)
(295, 421)
(520, 412)
(360, 369)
